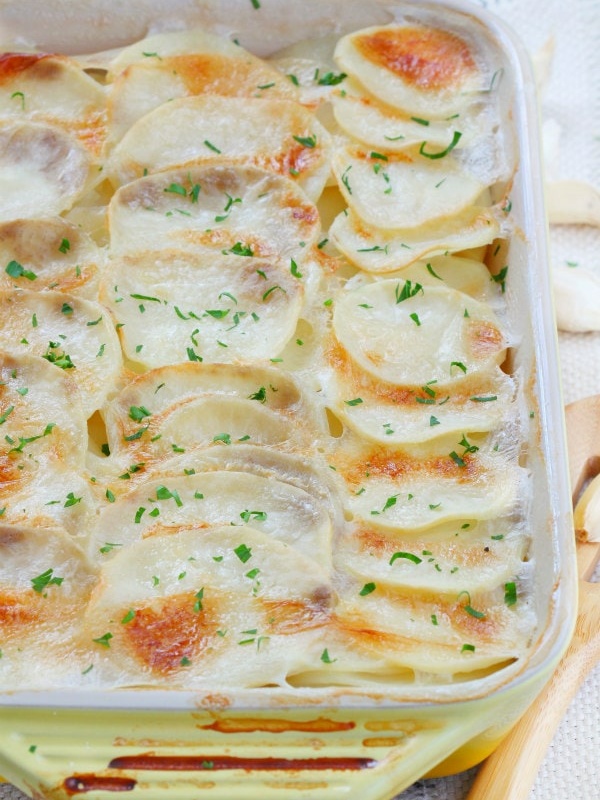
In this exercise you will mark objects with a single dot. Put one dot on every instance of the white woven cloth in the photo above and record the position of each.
(571, 111)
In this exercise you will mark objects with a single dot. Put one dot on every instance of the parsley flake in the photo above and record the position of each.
(16, 270)
(409, 556)
(44, 580)
(306, 141)
(243, 552)
(455, 140)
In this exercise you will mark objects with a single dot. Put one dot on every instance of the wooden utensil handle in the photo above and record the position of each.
(510, 771)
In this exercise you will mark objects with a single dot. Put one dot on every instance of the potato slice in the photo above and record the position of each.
(172, 65)
(69, 332)
(215, 606)
(435, 637)
(162, 391)
(403, 190)
(481, 555)
(242, 210)
(163, 507)
(400, 491)
(466, 275)
(46, 580)
(54, 90)
(211, 421)
(426, 71)
(393, 415)
(386, 129)
(307, 471)
(177, 409)
(413, 335)
(380, 251)
(40, 412)
(42, 170)
(176, 306)
(42, 454)
(50, 253)
(276, 135)
(47, 493)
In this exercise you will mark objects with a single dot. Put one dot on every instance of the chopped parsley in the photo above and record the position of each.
(162, 493)
(240, 249)
(243, 552)
(16, 270)
(198, 598)
(259, 394)
(409, 556)
(259, 516)
(326, 658)
(407, 291)
(500, 278)
(442, 153)
(510, 593)
(306, 141)
(331, 79)
(57, 356)
(44, 580)
(294, 269)
(137, 413)
(104, 640)
(211, 146)
(72, 500)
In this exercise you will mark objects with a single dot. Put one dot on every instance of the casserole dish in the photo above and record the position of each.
(374, 739)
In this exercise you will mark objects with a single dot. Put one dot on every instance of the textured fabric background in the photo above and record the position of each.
(571, 114)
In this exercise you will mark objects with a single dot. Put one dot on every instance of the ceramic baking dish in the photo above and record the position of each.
(312, 742)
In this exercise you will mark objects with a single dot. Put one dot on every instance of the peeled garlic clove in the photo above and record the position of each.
(587, 513)
(577, 299)
(573, 203)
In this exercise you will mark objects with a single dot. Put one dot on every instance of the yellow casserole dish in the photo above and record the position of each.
(366, 736)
